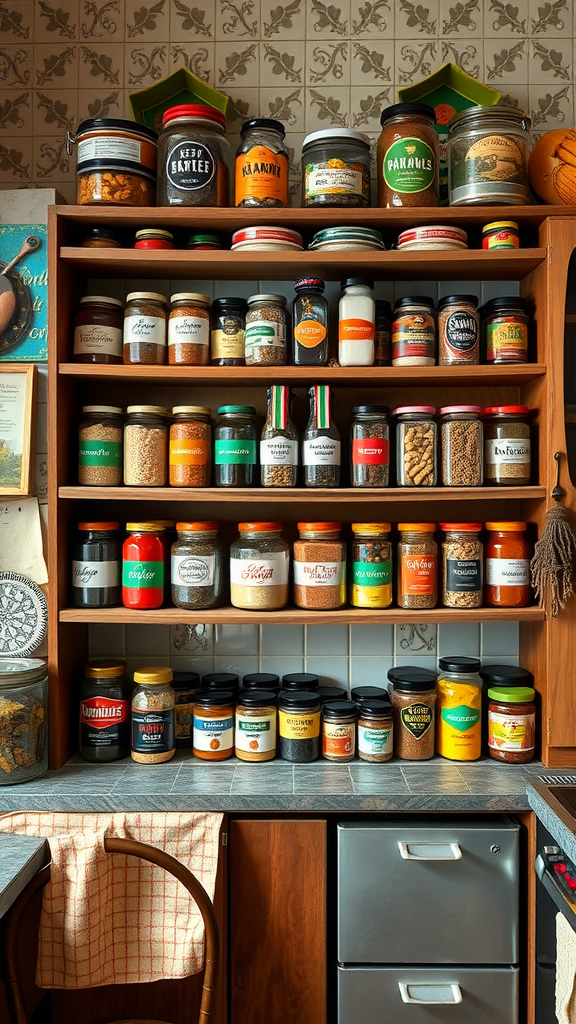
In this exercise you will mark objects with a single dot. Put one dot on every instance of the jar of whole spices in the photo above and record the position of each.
(339, 730)
(336, 168)
(24, 713)
(213, 730)
(190, 450)
(507, 566)
(145, 318)
(505, 329)
(407, 158)
(266, 330)
(100, 446)
(458, 330)
(462, 444)
(414, 332)
(104, 712)
(279, 443)
(194, 157)
(488, 149)
(146, 446)
(459, 709)
(321, 447)
(186, 686)
(356, 322)
(220, 682)
(417, 566)
(512, 724)
(255, 733)
(507, 454)
(300, 681)
(259, 567)
(235, 440)
(228, 328)
(298, 726)
(153, 739)
(189, 329)
(413, 700)
(262, 164)
(416, 446)
(96, 566)
(310, 323)
(462, 565)
(143, 566)
(319, 566)
(370, 448)
(383, 353)
(98, 330)
(371, 565)
(197, 564)
(375, 730)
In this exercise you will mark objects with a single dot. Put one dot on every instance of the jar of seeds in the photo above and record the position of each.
(370, 448)
(145, 318)
(416, 446)
(100, 446)
(310, 323)
(235, 452)
(190, 452)
(371, 565)
(462, 565)
(266, 330)
(462, 443)
(279, 444)
(197, 566)
(507, 445)
(189, 329)
(319, 566)
(413, 699)
(255, 734)
(321, 447)
(259, 566)
(298, 726)
(228, 327)
(146, 446)
(153, 738)
(417, 566)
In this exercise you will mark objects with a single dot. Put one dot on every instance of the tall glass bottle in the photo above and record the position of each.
(321, 445)
(310, 323)
(279, 443)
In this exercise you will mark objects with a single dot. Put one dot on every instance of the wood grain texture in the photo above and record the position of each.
(290, 616)
(528, 908)
(302, 495)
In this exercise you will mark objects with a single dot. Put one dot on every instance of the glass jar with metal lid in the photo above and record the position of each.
(507, 452)
(153, 701)
(298, 726)
(104, 711)
(228, 330)
(462, 565)
(235, 446)
(213, 729)
(505, 329)
(98, 330)
(414, 331)
(416, 446)
(24, 718)
(488, 149)
(259, 567)
(189, 329)
(96, 559)
(370, 448)
(266, 330)
(100, 446)
(462, 445)
(262, 164)
(146, 446)
(512, 724)
(194, 157)
(339, 730)
(371, 565)
(375, 729)
(458, 330)
(197, 566)
(190, 449)
(101, 238)
(255, 732)
(413, 700)
(336, 168)
(115, 162)
(407, 158)
(507, 582)
(459, 709)
(145, 318)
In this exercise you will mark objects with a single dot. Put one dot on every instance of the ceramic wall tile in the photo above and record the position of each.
(415, 639)
(241, 640)
(282, 63)
(327, 107)
(326, 20)
(414, 20)
(429, 661)
(237, 664)
(505, 62)
(372, 19)
(505, 19)
(466, 53)
(551, 61)
(331, 671)
(106, 640)
(372, 63)
(328, 62)
(187, 640)
(552, 107)
(371, 640)
(460, 639)
(461, 20)
(415, 59)
(238, 20)
(55, 20)
(101, 65)
(550, 17)
(499, 638)
(16, 165)
(16, 112)
(54, 110)
(146, 20)
(286, 105)
(366, 107)
(101, 19)
(101, 102)
(281, 666)
(16, 63)
(200, 664)
(144, 64)
(237, 63)
(17, 20)
(370, 671)
(147, 641)
(286, 20)
(56, 66)
(328, 640)
(198, 58)
(51, 161)
(280, 640)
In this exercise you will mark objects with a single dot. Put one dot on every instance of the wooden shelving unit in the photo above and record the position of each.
(301, 495)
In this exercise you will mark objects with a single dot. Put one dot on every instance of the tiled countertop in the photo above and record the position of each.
(20, 858)
(558, 829)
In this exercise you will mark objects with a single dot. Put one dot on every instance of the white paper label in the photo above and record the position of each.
(271, 571)
(151, 329)
(255, 735)
(319, 574)
(193, 570)
(191, 330)
(514, 452)
(95, 574)
(108, 146)
(279, 451)
(322, 451)
(213, 733)
(330, 179)
(374, 742)
(264, 332)
(507, 572)
(98, 338)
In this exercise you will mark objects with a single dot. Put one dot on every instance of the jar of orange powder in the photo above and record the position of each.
(213, 725)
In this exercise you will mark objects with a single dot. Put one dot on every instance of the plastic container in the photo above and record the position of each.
(459, 709)
(197, 566)
(339, 730)
(336, 168)
(24, 716)
(407, 157)
(194, 157)
(488, 149)
(512, 724)
(319, 566)
(413, 700)
(235, 446)
(96, 575)
(255, 732)
(153, 717)
(371, 565)
(143, 566)
(298, 726)
(507, 452)
(416, 446)
(98, 328)
(100, 446)
(213, 731)
(104, 712)
(507, 566)
(259, 567)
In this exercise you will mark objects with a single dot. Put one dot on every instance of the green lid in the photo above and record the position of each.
(513, 694)
(199, 239)
(248, 410)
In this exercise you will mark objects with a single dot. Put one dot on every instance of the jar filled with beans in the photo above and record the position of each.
(100, 446)
(235, 441)
(371, 565)
(190, 453)
(266, 330)
(458, 330)
(462, 565)
(370, 448)
(259, 567)
(414, 332)
(417, 566)
(319, 566)
(146, 446)
(145, 318)
(413, 699)
(197, 566)
(189, 329)
(416, 445)
(462, 443)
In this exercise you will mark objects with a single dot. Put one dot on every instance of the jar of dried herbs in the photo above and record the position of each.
(190, 450)
(371, 565)
(259, 567)
(370, 448)
(228, 329)
(189, 329)
(279, 443)
(195, 158)
(145, 319)
(266, 330)
(507, 452)
(146, 446)
(462, 444)
(413, 699)
(417, 566)
(100, 446)
(319, 566)
(298, 726)
(462, 565)
(321, 447)
(310, 323)
(153, 738)
(24, 717)
(235, 451)
(197, 564)
(255, 733)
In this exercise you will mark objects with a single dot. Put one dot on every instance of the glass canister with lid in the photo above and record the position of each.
(407, 158)
(255, 733)
(462, 565)
(24, 718)
(459, 709)
(143, 566)
(339, 730)
(190, 448)
(104, 711)
(194, 157)
(235, 446)
(507, 452)
(413, 700)
(371, 565)
(189, 329)
(414, 331)
(512, 724)
(153, 716)
(98, 327)
(259, 567)
(298, 726)
(488, 149)
(507, 582)
(197, 564)
(417, 566)
(416, 446)
(100, 446)
(462, 444)
(310, 323)
(96, 576)
(375, 728)
(370, 448)
(336, 168)
(262, 164)
(146, 446)
(279, 442)
(266, 330)
(319, 566)
(321, 446)
(505, 329)
(228, 330)
(145, 318)
(116, 162)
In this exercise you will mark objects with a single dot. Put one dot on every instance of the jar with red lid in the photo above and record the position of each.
(261, 238)
(143, 559)
(195, 158)
(507, 566)
(153, 238)
(507, 452)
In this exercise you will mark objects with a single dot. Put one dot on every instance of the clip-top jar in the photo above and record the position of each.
(194, 157)
(98, 329)
(24, 716)
(407, 159)
(262, 164)
(104, 711)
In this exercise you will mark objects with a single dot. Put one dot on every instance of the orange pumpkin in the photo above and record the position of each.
(553, 167)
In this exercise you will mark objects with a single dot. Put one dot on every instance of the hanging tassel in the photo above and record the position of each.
(553, 567)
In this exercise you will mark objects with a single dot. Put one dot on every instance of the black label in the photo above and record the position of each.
(152, 731)
(190, 165)
(463, 575)
(417, 718)
(461, 331)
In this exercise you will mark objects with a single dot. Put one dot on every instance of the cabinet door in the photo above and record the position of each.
(278, 921)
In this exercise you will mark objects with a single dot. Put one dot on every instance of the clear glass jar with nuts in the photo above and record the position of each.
(462, 565)
(146, 446)
(462, 444)
(417, 566)
(416, 440)
(279, 444)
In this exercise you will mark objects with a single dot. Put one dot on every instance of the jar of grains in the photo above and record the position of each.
(512, 724)
(417, 566)
(104, 711)
(259, 567)
(407, 158)
(416, 445)
(227, 337)
(356, 322)
(194, 157)
(319, 566)
(189, 329)
(190, 451)
(255, 733)
(414, 332)
(197, 566)
(298, 726)
(143, 566)
(507, 566)
(371, 565)
(413, 699)
(262, 164)
(279, 443)
(24, 718)
(462, 565)
(321, 447)
(505, 329)
(458, 330)
(146, 446)
(507, 445)
(459, 709)
(96, 566)
(336, 168)
(213, 729)
(145, 318)
(339, 730)
(235, 439)
(375, 730)
(383, 353)
(488, 150)
(98, 330)
(310, 323)
(116, 162)
(462, 444)
(153, 733)
(266, 330)
(370, 448)
(186, 688)
(100, 446)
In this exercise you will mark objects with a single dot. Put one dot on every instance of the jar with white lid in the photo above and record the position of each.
(356, 322)
(336, 168)
(195, 159)
(24, 717)
(145, 318)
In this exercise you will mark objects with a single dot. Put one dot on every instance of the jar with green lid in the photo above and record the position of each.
(413, 699)
(505, 330)
(371, 565)
(488, 149)
(24, 718)
(262, 164)
(266, 330)
(375, 729)
(153, 739)
(298, 726)
(204, 241)
(459, 709)
(213, 731)
(235, 446)
(100, 446)
(507, 452)
(512, 724)
(255, 733)
(336, 168)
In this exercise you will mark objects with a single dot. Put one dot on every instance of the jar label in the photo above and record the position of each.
(463, 575)
(95, 574)
(413, 334)
(193, 570)
(213, 733)
(279, 451)
(263, 333)
(98, 339)
(263, 175)
(309, 333)
(375, 742)
(298, 727)
(368, 574)
(100, 453)
(153, 731)
(409, 166)
(507, 451)
(149, 329)
(190, 166)
(418, 574)
(513, 732)
(507, 572)
(494, 158)
(103, 712)
(461, 331)
(226, 345)
(321, 451)
(507, 341)
(235, 453)
(255, 735)
(319, 574)
(356, 329)
(271, 571)
(106, 147)
(320, 179)
(462, 718)
(370, 451)
(503, 239)
(338, 740)
(191, 330)
(140, 575)
(417, 719)
(187, 451)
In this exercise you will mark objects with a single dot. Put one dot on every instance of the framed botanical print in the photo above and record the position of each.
(17, 421)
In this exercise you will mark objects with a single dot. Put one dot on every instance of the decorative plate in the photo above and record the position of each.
(23, 615)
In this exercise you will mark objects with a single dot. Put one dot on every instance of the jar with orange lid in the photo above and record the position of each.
(197, 566)
(259, 567)
(371, 565)
(507, 566)
(190, 447)
(213, 725)
(153, 716)
(417, 566)
(319, 566)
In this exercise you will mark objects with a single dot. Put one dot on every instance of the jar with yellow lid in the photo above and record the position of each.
(104, 711)
(371, 565)
(501, 234)
(153, 736)
(459, 709)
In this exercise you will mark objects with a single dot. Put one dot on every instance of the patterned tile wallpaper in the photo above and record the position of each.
(311, 63)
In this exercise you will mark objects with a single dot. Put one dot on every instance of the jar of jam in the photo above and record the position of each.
(104, 711)
(505, 329)
(213, 730)
(339, 730)
(512, 724)
(98, 330)
(143, 566)
(507, 566)
(96, 566)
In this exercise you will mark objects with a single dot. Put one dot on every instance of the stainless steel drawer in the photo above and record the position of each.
(428, 995)
(415, 894)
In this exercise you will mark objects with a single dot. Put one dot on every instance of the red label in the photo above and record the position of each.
(102, 712)
(370, 451)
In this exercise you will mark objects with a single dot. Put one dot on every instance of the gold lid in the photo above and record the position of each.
(105, 668)
(153, 675)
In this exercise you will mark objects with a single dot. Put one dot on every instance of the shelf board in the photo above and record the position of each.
(297, 495)
(300, 616)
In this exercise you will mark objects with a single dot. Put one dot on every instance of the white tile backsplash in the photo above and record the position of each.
(237, 640)
(415, 639)
(326, 639)
(371, 641)
(459, 638)
(147, 641)
(332, 671)
(370, 671)
(282, 640)
(240, 664)
(282, 665)
(500, 638)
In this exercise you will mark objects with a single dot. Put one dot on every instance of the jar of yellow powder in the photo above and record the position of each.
(459, 709)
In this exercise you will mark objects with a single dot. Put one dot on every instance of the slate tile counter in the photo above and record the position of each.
(20, 858)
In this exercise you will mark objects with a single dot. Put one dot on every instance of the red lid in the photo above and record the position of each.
(414, 408)
(459, 408)
(260, 232)
(430, 231)
(507, 410)
(195, 110)
(464, 527)
(98, 526)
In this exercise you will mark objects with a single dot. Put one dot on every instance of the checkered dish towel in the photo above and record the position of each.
(108, 919)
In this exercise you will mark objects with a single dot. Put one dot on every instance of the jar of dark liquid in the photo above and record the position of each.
(96, 581)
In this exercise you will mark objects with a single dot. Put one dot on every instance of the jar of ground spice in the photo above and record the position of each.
(96, 572)
(213, 729)
(255, 733)
(321, 446)
(259, 567)
(462, 565)
(417, 566)
(414, 332)
(189, 329)
(279, 443)
(458, 330)
(298, 726)
(235, 446)
(104, 712)
(194, 157)
(266, 330)
(98, 330)
(228, 328)
(100, 446)
(505, 330)
(462, 444)
(507, 452)
(507, 566)
(146, 446)
(375, 730)
(190, 450)
(512, 724)
(407, 158)
(197, 565)
(370, 448)
(339, 730)
(413, 699)
(416, 434)
(319, 566)
(145, 319)
(153, 739)
(371, 565)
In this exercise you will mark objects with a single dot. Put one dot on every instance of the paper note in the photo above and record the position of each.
(21, 539)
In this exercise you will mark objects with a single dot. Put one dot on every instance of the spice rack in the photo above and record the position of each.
(541, 268)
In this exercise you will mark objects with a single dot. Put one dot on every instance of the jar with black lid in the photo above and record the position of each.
(226, 681)
(414, 331)
(213, 729)
(329, 693)
(186, 686)
(362, 693)
(505, 330)
(458, 330)
(310, 323)
(235, 446)
(339, 730)
(261, 681)
(300, 681)
(98, 330)
(383, 350)
(255, 733)
(96, 577)
(500, 676)
(194, 157)
(262, 164)
(370, 448)
(116, 162)
(413, 699)
(228, 316)
(104, 710)
(298, 726)
(375, 728)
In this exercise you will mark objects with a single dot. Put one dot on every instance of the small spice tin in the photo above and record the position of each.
(266, 239)
(298, 726)
(507, 453)
(501, 234)
(336, 168)
(432, 236)
(98, 328)
(512, 724)
(255, 733)
(153, 238)
(339, 730)
(197, 566)
(213, 728)
(413, 700)
(375, 728)
(505, 327)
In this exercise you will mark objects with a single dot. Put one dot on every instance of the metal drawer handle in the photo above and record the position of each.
(455, 854)
(454, 991)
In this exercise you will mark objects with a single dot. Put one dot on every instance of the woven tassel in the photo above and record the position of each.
(553, 567)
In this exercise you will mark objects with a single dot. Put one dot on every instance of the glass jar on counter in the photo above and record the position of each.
(197, 564)
(505, 329)
(100, 446)
(414, 332)
(339, 730)
(96, 576)
(228, 329)
(255, 733)
(220, 682)
(266, 330)
(145, 318)
(190, 449)
(459, 709)
(507, 454)
(146, 446)
(213, 729)
(458, 330)
(143, 566)
(370, 448)
(462, 444)
(194, 157)
(371, 565)
(262, 164)
(24, 717)
(186, 686)
(321, 447)
(413, 700)
(383, 353)
(319, 566)
(512, 724)
(98, 329)
(488, 149)
(153, 702)
(310, 323)
(407, 159)
(279, 442)
(189, 329)
(298, 726)
(259, 567)
(235, 446)
(416, 446)
(104, 711)
(507, 566)
(417, 566)
(336, 168)
(462, 565)
(375, 730)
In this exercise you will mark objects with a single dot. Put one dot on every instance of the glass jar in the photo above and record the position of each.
(375, 730)
(417, 566)
(189, 329)
(507, 454)
(146, 446)
(235, 449)
(153, 701)
(101, 238)
(255, 733)
(321, 447)
(266, 330)
(413, 698)
(145, 319)
(462, 445)
(104, 711)
(459, 709)
(371, 565)
(336, 168)
(339, 730)
(501, 234)
(262, 164)
(98, 328)
(228, 329)
(143, 566)
(298, 726)
(190, 449)
(407, 158)
(100, 446)
(213, 730)
(512, 724)
(507, 566)
(500, 676)
(416, 446)
(195, 158)
(197, 566)
(310, 323)
(383, 353)
(24, 717)
(319, 566)
(505, 330)
(96, 576)
(279, 443)
(370, 448)
(259, 567)
(167, 529)
(204, 241)
(414, 332)
(116, 162)
(458, 330)
(356, 322)
(488, 149)
(153, 238)
(462, 565)
(186, 686)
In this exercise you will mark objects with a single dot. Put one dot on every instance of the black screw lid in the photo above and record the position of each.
(460, 664)
(215, 698)
(383, 308)
(377, 410)
(220, 681)
(298, 699)
(410, 109)
(229, 302)
(261, 681)
(408, 677)
(504, 302)
(368, 692)
(506, 675)
(257, 698)
(371, 706)
(327, 693)
(415, 300)
(448, 300)
(340, 709)
(185, 680)
(300, 681)
(356, 280)
(268, 123)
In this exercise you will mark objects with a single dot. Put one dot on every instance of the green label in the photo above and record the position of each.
(367, 574)
(142, 574)
(417, 718)
(100, 453)
(232, 453)
(462, 718)
(258, 331)
(253, 726)
(409, 166)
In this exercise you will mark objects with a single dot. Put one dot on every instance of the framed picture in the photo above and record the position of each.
(17, 418)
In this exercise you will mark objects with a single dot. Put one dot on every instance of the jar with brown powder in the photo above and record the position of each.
(189, 329)
(145, 318)
(190, 449)
(458, 330)
(413, 699)
(407, 160)
(319, 566)
(417, 566)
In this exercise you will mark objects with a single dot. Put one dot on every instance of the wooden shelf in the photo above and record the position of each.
(300, 616)
(297, 495)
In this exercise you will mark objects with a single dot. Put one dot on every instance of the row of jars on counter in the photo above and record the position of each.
(189, 330)
(299, 721)
(148, 570)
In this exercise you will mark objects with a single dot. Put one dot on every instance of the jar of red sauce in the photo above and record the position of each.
(143, 566)
(507, 566)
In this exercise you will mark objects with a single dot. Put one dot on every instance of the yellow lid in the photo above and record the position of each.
(371, 528)
(105, 668)
(417, 527)
(153, 676)
(144, 527)
(496, 225)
